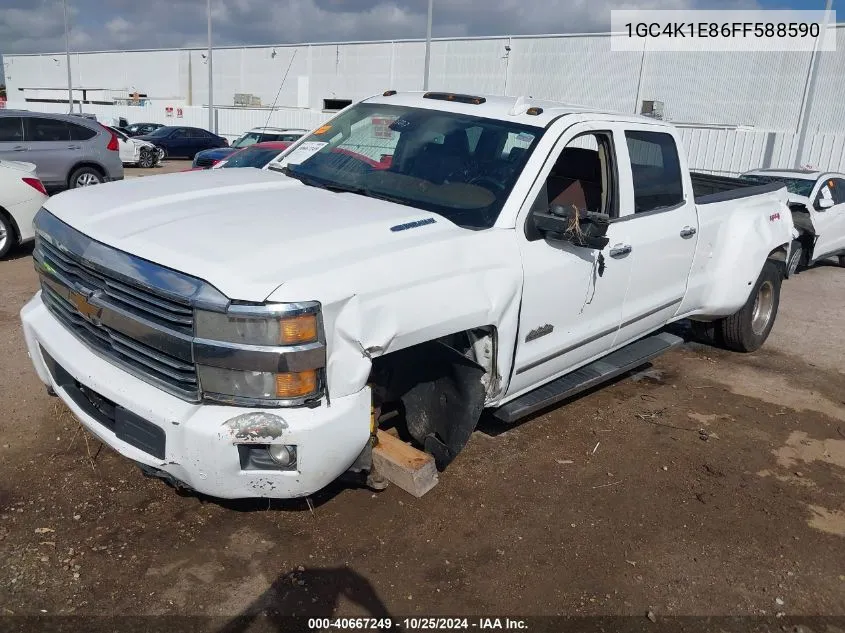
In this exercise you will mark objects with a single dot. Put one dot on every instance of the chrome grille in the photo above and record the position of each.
(139, 316)
(137, 300)
(136, 314)
(168, 372)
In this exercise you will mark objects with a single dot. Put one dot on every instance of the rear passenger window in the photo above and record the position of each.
(80, 132)
(46, 130)
(11, 129)
(656, 170)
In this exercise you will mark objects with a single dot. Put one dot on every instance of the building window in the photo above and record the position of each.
(334, 105)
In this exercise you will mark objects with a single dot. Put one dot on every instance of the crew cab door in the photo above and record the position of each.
(661, 225)
(829, 222)
(572, 296)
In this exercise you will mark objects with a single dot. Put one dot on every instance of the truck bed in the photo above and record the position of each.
(708, 188)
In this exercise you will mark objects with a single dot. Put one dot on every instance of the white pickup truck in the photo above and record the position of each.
(424, 257)
(817, 202)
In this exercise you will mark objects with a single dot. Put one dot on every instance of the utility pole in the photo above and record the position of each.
(428, 44)
(67, 59)
(210, 78)
(804, 122)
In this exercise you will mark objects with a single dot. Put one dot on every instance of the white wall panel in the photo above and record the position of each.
(760, 89)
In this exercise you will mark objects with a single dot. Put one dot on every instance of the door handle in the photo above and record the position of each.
(620, 250)
(19, 148)
(688, 231)
(74, 147)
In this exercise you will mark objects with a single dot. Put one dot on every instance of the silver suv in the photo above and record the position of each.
(68, 151)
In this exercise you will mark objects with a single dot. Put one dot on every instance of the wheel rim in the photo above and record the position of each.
(764, 305)
(87, 179)
(4, 236)
(161, 153)
(147, 160)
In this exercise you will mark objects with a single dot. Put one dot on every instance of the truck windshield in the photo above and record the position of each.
(797, 186)
(459, 166)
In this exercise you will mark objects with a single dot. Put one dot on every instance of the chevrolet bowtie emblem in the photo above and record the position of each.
(88, 311)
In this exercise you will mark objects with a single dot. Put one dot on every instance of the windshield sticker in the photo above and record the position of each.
(412, 225)
(524, 137)
(304, 152)
(399, 125)
(322, 129)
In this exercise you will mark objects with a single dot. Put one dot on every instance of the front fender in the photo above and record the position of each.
(390, 302)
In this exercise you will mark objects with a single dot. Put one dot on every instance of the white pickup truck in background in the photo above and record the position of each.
(817, 202)
(420, 256)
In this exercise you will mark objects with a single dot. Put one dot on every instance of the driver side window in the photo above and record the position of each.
(583, 177)
(833, 189)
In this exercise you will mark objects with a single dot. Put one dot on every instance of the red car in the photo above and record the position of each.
(256, 155)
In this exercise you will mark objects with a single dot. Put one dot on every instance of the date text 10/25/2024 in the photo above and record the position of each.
(416, 624)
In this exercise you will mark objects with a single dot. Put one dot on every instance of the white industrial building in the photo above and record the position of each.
(743, 107)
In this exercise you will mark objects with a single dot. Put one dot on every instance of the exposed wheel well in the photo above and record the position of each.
(438, 389)
(779, 257)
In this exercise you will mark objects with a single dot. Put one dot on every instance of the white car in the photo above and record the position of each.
(21, 195)
(817, 202)
(134, 151)
(424, 255)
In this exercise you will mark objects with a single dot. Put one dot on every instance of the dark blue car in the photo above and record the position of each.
(211, 157)
(183, 142)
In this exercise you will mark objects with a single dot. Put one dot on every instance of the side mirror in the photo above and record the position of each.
(824, 203)
(579, 227)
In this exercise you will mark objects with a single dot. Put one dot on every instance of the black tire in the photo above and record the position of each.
(842, 261)
(8, 236)
(84, 177)
(705, 331)
(747, 329)
(796, 258)
(147, 159)
(162, 154)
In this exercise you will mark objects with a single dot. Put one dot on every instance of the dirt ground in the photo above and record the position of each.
(711, 484)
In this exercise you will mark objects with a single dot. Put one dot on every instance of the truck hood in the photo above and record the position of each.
(245, 231)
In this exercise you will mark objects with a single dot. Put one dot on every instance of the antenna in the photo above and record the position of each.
(273, 107)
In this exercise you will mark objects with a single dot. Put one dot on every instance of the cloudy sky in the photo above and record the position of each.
(32, 26)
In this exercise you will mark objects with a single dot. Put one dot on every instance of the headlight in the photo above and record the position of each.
(218, 383)
(268, 355)
(233, 327)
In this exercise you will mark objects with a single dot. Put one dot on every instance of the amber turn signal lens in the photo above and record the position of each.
(298, 329)
(296, 384)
